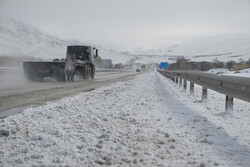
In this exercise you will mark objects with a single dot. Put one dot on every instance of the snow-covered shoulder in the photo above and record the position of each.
(146, 121)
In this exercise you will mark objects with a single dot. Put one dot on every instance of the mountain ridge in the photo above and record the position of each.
(20, 39)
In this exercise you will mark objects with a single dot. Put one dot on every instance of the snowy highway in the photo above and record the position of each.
(16, 93)
(146, 121)
(14, 82)
(130, 113)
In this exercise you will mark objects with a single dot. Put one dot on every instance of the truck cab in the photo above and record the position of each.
(83, 58)
(82, 53)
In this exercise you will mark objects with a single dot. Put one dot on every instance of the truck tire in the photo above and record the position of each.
(88, 73)
(85, 73)
(71, 76)
(92, 73)
(67, 76)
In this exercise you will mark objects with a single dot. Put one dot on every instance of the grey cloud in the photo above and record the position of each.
(131, 21)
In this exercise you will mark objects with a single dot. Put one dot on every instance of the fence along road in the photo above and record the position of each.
(231, 86)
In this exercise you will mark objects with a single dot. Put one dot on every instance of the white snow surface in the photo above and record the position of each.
(222, 71)
(218, 71)
(147, 121)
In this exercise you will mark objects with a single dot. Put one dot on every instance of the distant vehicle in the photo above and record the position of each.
(163, 65)
(79, 60)
(138, 69)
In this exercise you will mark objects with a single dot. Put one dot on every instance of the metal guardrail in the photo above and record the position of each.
(231, 86)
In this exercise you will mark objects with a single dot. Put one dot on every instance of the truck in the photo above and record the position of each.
(79, 61)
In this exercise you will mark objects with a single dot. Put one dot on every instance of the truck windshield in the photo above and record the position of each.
(80, 52)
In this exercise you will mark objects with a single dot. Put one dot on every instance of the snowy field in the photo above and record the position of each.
(222, 71)
(148, 121)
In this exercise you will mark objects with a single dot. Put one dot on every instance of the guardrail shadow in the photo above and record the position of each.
(226, 146)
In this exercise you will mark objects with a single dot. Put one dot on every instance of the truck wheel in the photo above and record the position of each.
(92, 73)
(71, 76)
(87, 73)
(67, 76)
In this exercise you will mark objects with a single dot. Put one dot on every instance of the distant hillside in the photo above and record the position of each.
(224, 47)
(19, 39)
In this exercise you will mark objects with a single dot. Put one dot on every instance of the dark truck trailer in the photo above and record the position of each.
(79, 60)
(36, 71)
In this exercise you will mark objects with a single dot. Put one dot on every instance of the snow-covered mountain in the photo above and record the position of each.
(155, 49)
(224, 47)
(153, 54)
(20, 39)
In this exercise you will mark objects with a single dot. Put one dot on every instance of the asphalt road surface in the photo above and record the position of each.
(17, 94)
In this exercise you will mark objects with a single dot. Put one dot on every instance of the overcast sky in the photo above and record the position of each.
(132, 22)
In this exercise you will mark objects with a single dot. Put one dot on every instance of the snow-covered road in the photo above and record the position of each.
(147, 121)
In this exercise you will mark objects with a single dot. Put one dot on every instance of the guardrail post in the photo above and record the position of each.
(180, 83)
(229, 103)
(204, 93)
(185, 84)
(231, 87)
(191, 88)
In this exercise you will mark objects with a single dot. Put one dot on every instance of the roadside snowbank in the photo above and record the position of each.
(222, 71)
(143, 122)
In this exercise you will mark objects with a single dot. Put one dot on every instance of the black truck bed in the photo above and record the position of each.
(38, 70)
